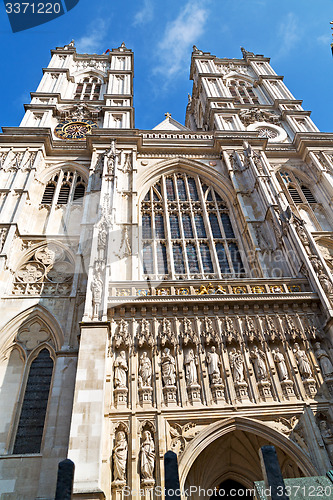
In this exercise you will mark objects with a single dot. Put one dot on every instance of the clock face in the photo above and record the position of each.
(74, 129)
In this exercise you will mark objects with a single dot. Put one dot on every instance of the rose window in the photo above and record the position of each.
(267, 133)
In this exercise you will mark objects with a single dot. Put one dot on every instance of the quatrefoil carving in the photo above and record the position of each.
(33, 335)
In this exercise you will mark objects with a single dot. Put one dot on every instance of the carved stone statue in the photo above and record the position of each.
(327, 436)
(214, 363)
(96, 289)
(237, 365)
(120, 451)
(258, 359)
(303, 362)
(168, 365)
(191, 373)
(145, 371)
(120, 369)
(280, 363)
(147, 462)
(324, 361)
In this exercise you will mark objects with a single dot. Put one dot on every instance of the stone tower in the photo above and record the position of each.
(167, 288)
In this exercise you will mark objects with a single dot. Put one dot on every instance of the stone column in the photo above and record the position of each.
(86, 434)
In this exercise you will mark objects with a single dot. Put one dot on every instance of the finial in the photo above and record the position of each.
(167, 115)
(122, 46)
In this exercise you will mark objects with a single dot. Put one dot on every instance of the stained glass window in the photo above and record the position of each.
(174, 226)
(159, 226)
(187, 225)
(178, 259)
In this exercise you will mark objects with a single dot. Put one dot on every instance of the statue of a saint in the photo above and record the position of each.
(145, 371)
(168, 368)
(190, 363)
(120, 457)
(303, 362)
(237, 365)
(120, 369)
(324, 361)
(147, 462)
(214, 363)
(258, 359)
(280, 363)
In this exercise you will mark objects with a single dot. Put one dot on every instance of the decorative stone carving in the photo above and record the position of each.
(127, 168)
(145, 371)
(97, 290)
(249, 116)
(258, 359)
(167, 336)
(110, 159)
(144, 335)
(214, 363)
(324, 362)
(191, 375)
(181, 436)
(279, 360)
(327, 436)
(120, 369)
(236, 365)
(30, 336)
(122, 335)
(147, 459)
(80, 110)
(48, 271)
(125, 246)
(208, 333)
(119, 454)
(168, 365)
(3, 234)
(303, 362)
(188, 334)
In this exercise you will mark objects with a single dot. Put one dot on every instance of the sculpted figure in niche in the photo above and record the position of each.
(190, 363)
(237, 365)
(324, 361)
(327, 436)
(303, 362)
(145, 371)
(258, 360)
(120, 369)
(214, 363)
(280, 363)
(168, 368)
(120, 457)
(147, 462)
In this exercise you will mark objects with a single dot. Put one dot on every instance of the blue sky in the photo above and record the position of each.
(295, 33)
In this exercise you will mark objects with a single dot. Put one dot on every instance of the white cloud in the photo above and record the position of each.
(180, 34)
(145, 15)
(92, 42)
(324, 39)
(289, 34)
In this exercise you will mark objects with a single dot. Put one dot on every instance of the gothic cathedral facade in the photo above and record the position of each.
(163, 289)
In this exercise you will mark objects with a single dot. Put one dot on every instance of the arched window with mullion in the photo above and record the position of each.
(187, 231)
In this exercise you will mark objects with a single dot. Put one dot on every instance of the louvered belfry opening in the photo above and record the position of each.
(31, 424)
(48, 194)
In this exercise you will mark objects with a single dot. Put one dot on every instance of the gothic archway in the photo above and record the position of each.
(228, 450)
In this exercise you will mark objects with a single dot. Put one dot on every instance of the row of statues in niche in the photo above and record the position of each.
(236, 359)
(120, 455)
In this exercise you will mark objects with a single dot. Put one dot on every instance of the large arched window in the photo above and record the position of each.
(187, 232)
(302, 198)
(89, 89)
(243, 92)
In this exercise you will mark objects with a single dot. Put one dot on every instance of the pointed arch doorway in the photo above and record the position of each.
(225, 455)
